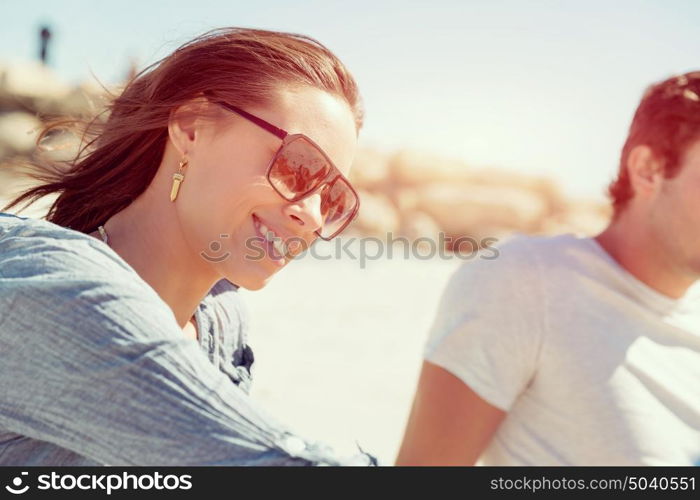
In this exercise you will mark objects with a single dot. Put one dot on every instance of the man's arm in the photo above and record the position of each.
(449, 423)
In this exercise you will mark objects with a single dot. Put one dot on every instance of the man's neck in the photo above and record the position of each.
(633, 246)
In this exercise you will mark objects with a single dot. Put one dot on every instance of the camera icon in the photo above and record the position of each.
(215, 247)
(17, 483)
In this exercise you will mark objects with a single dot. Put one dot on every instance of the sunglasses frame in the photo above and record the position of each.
(333, 175)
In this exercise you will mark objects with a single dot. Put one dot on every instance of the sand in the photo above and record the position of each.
(338, 348)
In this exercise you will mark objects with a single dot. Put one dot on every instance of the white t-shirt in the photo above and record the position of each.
(593, 366)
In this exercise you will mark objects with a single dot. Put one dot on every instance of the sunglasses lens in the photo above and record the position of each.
(338, 204)
(299, 168)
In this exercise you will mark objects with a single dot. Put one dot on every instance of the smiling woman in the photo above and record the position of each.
(121, 326)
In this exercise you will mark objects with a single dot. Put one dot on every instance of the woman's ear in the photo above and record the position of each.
(186, 123)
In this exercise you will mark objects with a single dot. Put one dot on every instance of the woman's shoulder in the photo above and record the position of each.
(65, 281)
(38, 257)
(38, 248)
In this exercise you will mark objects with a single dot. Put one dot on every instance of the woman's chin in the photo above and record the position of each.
(252, 282)
(255, 286)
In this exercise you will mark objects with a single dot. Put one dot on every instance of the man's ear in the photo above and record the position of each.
(185, 124)
(645, 171)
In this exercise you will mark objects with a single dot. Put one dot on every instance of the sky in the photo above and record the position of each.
(542, 87)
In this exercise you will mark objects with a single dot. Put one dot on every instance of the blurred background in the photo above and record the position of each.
(483, 119)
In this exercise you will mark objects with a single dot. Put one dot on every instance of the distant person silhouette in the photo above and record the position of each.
(45, 35)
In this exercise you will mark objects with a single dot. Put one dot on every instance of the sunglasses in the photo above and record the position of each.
(299, 168)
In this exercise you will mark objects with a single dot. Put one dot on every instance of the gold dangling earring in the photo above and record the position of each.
(177, 179)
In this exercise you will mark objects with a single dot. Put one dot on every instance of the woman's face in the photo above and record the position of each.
(226, 205)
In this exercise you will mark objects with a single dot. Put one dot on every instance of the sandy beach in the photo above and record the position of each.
(338, 348)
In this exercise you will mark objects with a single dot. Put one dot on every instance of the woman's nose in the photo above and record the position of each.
(306, 212)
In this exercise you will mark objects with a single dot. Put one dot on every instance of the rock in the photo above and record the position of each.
(18, 133)
(582, 218)
(409, 168)
(416, 168)
(377, 215)
(370, 170)
(416, 224)
(405, 198)
(463, 209)
(31, 85)
(544, 187)
(84, 100)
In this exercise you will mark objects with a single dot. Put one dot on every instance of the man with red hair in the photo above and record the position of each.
(581, 351)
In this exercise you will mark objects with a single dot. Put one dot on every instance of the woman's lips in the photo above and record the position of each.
(275, 247)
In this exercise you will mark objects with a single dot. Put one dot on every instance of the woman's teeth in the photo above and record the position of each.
(279, 246)
(274, 239)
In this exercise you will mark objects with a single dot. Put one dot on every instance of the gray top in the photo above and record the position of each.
(96, 371)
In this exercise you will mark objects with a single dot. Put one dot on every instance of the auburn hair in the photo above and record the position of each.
(119, 156)
(668, 122)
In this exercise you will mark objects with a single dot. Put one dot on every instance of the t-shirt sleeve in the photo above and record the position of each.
(99, 366)
(489, 325)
